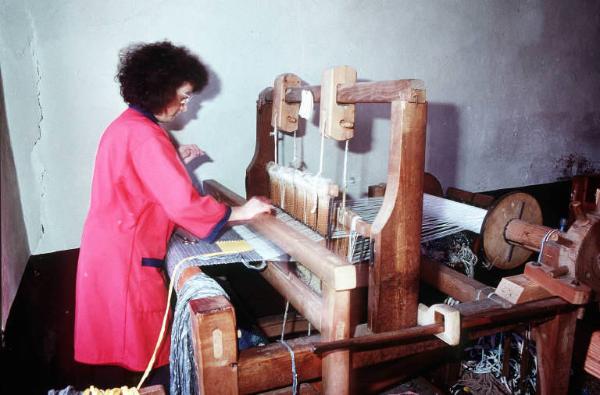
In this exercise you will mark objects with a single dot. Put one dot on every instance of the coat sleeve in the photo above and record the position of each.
(164, 176)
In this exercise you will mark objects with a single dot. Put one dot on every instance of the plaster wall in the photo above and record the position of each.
(513, 87)
(14, 236)
(15, 248)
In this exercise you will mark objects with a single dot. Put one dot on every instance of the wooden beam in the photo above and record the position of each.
(268, 367)
(214, 337)
(304, 299)
(367, 92)
(451, 282)
(396, 231)
(484, 313)
(264, 368)
(271, 325)
(257, 179)
(554, 346)
(336, 327)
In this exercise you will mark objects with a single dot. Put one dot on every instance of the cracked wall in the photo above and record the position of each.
(512, 86)
(19, 190)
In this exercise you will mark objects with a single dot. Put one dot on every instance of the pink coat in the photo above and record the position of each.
(139, 191)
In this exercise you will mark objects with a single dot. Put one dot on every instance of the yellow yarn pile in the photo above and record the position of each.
(114, 391)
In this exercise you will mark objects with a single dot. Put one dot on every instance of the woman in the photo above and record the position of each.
(140, 190)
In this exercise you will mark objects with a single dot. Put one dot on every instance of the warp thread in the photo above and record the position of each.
(183, 373)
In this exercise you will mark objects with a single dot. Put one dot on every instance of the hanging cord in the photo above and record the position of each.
(294, 163)
(287, 306)
(294, 373)
(275, 142)
(322, 150)
(291, 351)
(345, 176)
(352, 238)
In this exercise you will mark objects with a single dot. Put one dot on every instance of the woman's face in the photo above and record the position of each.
(178, 105)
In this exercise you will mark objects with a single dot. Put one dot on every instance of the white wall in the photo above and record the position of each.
(513, 86)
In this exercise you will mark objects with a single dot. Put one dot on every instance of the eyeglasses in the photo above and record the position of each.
(186, 99)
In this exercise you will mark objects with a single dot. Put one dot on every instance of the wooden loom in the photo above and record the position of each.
(391, 340)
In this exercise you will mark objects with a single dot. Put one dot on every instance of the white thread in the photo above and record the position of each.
(441, 217)
(352, 237)
(287, 306)
(322, 149)
(294, 373)
(345, 176)
(276, 143)
(294, 163)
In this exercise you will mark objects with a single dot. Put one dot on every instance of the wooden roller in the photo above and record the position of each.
(497, 249)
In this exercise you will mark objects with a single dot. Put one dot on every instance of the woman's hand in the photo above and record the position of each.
(189, 152)
(253, 207)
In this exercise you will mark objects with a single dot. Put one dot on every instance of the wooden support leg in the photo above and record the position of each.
(257, 179)
(394, 276)
(215, 345)
(554, 346)
(335, 326)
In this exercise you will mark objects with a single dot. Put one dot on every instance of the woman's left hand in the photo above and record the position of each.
(189, 152)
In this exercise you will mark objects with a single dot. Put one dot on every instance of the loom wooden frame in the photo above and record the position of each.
(346, 346)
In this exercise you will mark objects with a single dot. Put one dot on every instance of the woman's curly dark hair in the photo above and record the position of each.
(150, 74)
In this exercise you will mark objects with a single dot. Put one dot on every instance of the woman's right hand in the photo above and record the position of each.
(253, 207)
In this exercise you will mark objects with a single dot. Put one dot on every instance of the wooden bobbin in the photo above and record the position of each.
(336, 120)
(497, 250)
(285, 115)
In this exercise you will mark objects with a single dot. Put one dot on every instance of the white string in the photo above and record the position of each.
(287, 306)
(276, 143)
(322, 150)
(291, 351)
(294, 163)
(345, 176)
(352, 237)
(294, 373)
(441, 217)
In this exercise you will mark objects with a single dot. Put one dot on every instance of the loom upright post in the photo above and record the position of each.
(554, 341)
(215, 345)
(396, 231)
(336, 326)
(257, 179)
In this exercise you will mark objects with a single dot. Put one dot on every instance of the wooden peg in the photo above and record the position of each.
(337, 120)
(285, 115)
(428, 315)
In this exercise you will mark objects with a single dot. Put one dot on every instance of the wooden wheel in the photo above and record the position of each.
(514, 205)
(432, 186)
(587, 260)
